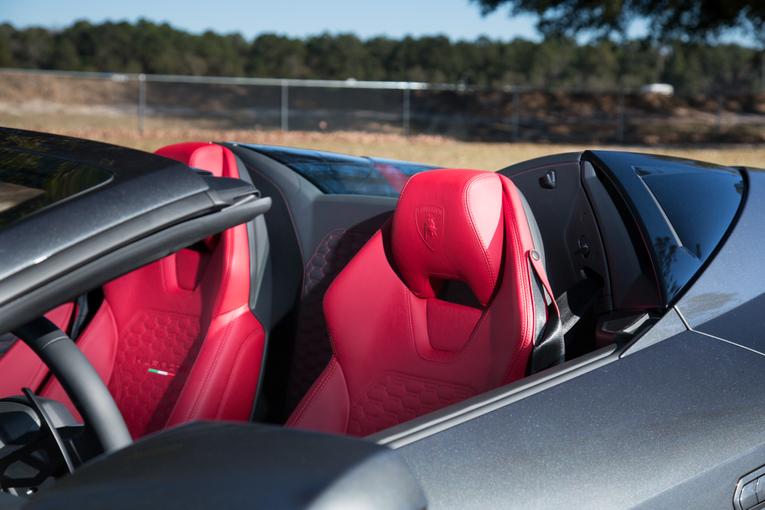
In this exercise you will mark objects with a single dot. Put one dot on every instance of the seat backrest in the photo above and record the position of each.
(437, 307)
(175, 340)
(20, 366)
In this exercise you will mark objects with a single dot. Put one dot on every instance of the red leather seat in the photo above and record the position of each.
(175, 340)
(21, 367)
(400, 348)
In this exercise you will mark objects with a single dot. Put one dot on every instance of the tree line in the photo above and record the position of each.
(558, 61)
(686, 19)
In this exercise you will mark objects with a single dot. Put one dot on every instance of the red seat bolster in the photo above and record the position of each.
(224, 378)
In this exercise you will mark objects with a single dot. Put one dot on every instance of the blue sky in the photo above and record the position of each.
(457, 19)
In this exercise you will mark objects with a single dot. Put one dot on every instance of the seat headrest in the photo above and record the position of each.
(448, 225)
(214, 158)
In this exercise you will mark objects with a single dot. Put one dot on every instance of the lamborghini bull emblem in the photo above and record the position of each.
(430, 225)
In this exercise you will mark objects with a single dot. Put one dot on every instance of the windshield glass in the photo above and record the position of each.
(339, 174)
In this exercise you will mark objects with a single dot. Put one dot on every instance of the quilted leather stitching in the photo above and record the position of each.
(397, 397)
(153, 339)
(388, 398)
(313, 348)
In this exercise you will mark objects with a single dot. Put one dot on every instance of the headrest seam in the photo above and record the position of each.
(468, 210)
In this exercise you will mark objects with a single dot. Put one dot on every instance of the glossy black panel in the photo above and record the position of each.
(632, 277)
(122, 161)
(728, 299)
(30, 182)
(644, 427)
(684, 209)
(342, 174)
(141, 183)
(404, 167)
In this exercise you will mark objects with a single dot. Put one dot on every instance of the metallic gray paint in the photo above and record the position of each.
(669, 325)
(728, 299)
(619, 436)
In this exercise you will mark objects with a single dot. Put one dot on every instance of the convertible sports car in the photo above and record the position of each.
(244, 326)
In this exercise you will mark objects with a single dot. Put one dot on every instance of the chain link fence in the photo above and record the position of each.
(142, 102)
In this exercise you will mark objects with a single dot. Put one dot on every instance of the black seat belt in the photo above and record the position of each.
(562, 315)
(550, 349)
(80, 316)
(577, 301)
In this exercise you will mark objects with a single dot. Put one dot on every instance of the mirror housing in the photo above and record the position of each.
(227, 465)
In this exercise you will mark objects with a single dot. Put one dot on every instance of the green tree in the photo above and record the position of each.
(692, 66)
(6, 56)
(338, 57)
(32, 48)
(272, 55)
(695, 19)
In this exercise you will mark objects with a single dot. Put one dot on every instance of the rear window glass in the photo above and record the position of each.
(347, 175)
(30, 182)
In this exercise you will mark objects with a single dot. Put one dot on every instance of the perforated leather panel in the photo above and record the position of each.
(312, 346)
(153, 343)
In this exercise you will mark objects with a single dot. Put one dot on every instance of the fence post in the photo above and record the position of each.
(620, 119)
(285, 109)
(406, 114)
(516, 115)
(141, 101)
(719, 113)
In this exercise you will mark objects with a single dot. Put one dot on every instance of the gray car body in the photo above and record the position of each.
(672, 420)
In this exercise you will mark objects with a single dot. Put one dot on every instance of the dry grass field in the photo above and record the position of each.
(437, 150)
(105, 110)
(427, 149)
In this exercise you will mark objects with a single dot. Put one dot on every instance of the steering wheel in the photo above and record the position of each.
(80, 381)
